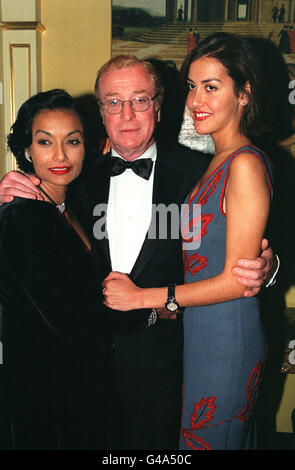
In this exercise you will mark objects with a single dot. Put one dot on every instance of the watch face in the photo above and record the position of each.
(172, 306)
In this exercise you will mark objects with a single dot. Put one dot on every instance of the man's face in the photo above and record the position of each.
(131, 132)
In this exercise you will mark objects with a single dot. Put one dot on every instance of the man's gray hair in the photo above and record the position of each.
(129, 60)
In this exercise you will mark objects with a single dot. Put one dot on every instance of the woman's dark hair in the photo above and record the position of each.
(20, 136)
(237, 55)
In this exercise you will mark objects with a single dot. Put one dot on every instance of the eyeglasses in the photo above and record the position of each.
(138, 104)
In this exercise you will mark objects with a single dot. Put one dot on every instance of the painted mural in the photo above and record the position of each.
(169, 29)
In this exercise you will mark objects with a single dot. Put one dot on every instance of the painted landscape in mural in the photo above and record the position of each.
(168, 29)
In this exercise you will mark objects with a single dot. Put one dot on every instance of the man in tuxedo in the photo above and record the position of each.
(146, 401)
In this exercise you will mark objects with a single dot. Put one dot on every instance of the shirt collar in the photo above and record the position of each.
(151, 152)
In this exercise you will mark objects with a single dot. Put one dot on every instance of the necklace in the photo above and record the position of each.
(61, 207)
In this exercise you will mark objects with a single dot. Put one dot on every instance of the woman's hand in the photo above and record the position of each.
(121, 293)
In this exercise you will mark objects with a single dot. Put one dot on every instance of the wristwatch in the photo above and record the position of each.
(171, 303)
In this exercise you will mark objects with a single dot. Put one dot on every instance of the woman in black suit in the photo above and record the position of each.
(54, 380)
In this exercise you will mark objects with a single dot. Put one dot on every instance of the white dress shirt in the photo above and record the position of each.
(129, 214)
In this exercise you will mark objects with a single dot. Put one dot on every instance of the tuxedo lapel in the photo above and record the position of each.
(166, 188)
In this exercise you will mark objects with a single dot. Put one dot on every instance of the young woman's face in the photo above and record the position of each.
(57, 148)
(212, 101)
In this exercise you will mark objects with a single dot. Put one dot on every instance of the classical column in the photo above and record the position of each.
(168, 11)
(235, 10)
(20, 48)
(186, 11)
(226, 6)
(174, 9)
(171, 10)
(194, 11)
(291, 11)
(259, 11)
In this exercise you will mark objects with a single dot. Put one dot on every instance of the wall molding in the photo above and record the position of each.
(12, 48)
(22, 25)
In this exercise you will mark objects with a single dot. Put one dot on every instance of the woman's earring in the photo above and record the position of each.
(28, 156)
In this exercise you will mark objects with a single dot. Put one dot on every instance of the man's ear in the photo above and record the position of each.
(159, 115)
(102, 115)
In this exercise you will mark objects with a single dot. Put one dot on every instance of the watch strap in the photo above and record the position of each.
(171, 292)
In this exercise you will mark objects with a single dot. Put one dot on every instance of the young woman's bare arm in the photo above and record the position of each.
(246, 203)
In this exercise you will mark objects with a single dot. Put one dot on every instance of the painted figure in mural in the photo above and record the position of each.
(282, 14)
(291, 34)
(54, 384)
(180, 14)
(224, 344)
(275, 13)
(197, 36)
(284, 44)
(191, 41)
(146, 397)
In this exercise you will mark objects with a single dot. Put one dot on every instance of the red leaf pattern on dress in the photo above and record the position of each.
(202, 414)
(205, 220)
(194, 263)
(251, 393)
(195, 442)
(207, 407)
(191, 233)
(204, 410)
(210, 188)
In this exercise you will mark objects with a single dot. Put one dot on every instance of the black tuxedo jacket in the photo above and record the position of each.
(148, 361)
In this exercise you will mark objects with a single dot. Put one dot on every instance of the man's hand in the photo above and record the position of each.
(17, 184)
(254, 273)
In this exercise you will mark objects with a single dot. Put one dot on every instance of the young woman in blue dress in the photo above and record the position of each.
(224, 345)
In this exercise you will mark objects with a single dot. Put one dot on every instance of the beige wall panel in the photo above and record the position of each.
(18, 10)
(287, 405)
(290, 300)
(77, 41)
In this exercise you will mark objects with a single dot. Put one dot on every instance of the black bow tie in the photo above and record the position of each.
(141, 167)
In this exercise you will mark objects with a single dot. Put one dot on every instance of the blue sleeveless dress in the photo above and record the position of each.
(224, 346)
